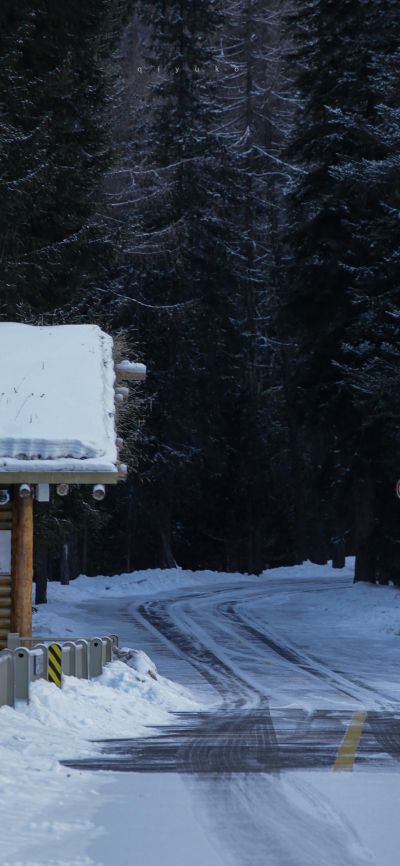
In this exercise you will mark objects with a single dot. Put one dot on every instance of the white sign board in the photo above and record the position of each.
(5, 551)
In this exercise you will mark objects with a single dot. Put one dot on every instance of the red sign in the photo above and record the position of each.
(398, 489)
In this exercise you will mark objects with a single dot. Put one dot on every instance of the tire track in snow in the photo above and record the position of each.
(362, 694)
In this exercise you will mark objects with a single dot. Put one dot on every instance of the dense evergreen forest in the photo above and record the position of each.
(216, 184)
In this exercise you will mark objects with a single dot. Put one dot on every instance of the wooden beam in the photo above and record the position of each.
(22, 564)
(130, 371)
(54, 477)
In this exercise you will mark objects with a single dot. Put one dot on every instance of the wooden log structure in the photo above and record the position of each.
(5, 609)
(52, 354)
(5, 581)
(22, 564)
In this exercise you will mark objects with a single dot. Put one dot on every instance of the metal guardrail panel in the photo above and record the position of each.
(69, 658)
(107, 649)
(20, 666)
(7, 697)
(13, 640)
(82, 659)
(40, 662)
(96, 657)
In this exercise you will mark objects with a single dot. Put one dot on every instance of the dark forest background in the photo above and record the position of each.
(216, 183)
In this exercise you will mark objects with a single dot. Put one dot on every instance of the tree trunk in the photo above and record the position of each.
(296, 466)
(73, 556)
(165, 532)
(85, 551)
(41, 579)
(338, 554)
(316, 546)
(338, 546)
(22, 564)
(365, 527)
(129, 532)
(258, 564)
(317, 543)
(64, 565)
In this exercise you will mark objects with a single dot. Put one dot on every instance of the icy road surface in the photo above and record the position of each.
(294, 759)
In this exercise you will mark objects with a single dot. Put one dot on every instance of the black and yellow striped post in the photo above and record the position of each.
(54, 671)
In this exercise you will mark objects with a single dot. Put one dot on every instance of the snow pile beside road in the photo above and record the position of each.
(156, 580)
(136, 659)
(122, 702)
(59, 724)
(373, 607)
(362, 609)
(148, 582)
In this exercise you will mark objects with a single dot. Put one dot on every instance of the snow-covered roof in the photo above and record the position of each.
(56, 402)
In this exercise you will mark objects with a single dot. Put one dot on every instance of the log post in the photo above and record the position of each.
(22, 564)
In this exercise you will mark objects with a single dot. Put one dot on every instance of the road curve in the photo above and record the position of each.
(210, 639)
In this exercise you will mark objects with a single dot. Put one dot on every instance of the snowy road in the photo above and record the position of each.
(228, 646)
(292, 693)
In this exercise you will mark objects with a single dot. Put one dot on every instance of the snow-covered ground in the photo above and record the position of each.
(34, 788)
(300, 640)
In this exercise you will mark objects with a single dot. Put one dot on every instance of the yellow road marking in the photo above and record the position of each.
(347, 752)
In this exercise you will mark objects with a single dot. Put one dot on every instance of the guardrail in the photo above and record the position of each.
(50, 659)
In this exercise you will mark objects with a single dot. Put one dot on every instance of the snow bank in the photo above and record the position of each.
(374, 608)
(148, 582)
(122, 702)
(57, 398)
(359, 608)
(59, 724)
(155, 580)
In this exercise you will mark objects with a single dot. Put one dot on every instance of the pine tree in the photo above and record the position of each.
(57, 73)
(255, 117)
(371, 348)
(55, 137)
(195, 192)
(175, 264)
(346, 145)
